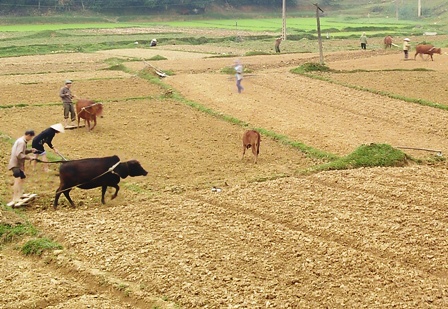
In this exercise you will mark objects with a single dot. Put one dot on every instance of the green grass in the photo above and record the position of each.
(302, 24)
(311, 67)
(9, 233)
(367, 156)
(38, 246)
(34, 36)
(157, 58)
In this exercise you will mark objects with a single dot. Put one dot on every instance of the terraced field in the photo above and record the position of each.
(273, 237)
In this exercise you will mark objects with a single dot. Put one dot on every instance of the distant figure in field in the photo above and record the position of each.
(388, 42)
(406, 48)
(239, 75)
(363, 40)
(153, 43)
(278, 41)
(67, 96)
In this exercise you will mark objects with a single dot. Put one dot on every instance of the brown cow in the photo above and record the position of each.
(427, 49)
(388, 42)
(88, 110)
(251, 139)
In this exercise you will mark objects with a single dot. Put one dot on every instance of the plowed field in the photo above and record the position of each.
(273, 237)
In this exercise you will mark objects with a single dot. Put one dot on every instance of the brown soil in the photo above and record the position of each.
(273, 237)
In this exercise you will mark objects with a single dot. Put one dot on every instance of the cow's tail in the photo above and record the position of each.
(258, 143)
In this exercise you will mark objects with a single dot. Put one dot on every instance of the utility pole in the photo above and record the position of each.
(419, 8)
(319, 37)
(284, 20)
(396, 9)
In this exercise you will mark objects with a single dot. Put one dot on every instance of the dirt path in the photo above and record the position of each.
(271, 239)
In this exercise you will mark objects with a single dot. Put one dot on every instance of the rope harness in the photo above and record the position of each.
(84, 109)
(110, 170)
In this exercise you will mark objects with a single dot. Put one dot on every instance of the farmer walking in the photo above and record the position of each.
(46, 137)
(67, 96)
(239, 75)
(19, 153)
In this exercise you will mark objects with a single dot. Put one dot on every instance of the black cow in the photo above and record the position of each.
(95, 172)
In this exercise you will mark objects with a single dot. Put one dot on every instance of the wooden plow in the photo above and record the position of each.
(156, 70)
(437, 152)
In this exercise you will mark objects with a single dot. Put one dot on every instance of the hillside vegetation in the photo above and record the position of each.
(122, 9)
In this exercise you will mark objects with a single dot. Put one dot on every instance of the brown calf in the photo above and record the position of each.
(427, 49)
(88, 110)
(251, 139)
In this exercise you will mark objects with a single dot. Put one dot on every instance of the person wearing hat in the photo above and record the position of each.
(46, 137)
(66, 96)
(19, 153)
(153, 42)
(406, 48)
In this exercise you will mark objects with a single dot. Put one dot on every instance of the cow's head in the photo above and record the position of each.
(135, 169)
(438, 51)
(130, 168)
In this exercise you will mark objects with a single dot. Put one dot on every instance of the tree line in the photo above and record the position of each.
(196, 6)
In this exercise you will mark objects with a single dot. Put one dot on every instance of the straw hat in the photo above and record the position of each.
(68, 81)
(406, 39)
(58, 127)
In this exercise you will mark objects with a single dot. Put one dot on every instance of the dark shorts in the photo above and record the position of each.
(39, 149)
(18, 173)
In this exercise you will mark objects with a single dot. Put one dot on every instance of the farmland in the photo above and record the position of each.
(274, 237)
